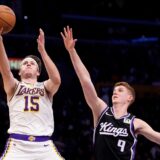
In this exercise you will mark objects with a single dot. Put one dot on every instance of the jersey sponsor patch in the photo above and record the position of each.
(127, 121)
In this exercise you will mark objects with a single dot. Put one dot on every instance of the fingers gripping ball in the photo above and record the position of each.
(7, 19)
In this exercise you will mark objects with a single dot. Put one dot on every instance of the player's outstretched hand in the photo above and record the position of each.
(41, 41)
(68, 40)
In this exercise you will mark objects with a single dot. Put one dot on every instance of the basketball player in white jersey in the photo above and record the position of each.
(116, 130)
(30, 106)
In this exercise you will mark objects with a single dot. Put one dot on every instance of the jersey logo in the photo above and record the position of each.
(127, 121)
(31, 138)
(109, 129)
(108, 114)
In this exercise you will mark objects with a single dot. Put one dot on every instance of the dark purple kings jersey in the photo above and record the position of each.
(113, 138)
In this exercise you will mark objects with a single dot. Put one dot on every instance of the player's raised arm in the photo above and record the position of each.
(142, 128)
(95, 103)
(53, 83)
(8, 78)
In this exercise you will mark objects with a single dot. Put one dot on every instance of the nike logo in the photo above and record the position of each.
(108, 114)
(45, 145)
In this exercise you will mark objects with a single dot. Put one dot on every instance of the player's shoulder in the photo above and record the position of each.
(138, 123)
(39, 83)
(138, 120)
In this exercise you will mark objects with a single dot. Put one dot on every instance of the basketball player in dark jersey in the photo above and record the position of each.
(116, 130)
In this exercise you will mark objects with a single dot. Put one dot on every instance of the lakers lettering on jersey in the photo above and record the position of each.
(114, 139)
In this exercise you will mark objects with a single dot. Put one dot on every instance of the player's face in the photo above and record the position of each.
(29, 68)
(121, 95)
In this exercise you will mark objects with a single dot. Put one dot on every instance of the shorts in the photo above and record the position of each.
(26, 150)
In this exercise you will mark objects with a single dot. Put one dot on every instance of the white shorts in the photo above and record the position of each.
(26, 150)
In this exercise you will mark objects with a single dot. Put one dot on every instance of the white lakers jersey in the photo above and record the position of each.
(30, 110)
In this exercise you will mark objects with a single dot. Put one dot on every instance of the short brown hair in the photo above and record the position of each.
(131, 89)
(37, 60)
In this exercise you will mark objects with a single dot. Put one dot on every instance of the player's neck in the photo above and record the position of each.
(29, 80)
(119, 110)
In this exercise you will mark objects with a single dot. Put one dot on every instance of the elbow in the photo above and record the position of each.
(57, 81)
(85, 81)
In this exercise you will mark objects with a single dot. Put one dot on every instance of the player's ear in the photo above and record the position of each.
(38, 73)
(19, 72)
(130, 97)
(1, 30)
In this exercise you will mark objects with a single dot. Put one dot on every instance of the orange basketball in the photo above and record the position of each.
(7, 19)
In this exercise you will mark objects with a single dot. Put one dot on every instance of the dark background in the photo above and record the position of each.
(118, 40)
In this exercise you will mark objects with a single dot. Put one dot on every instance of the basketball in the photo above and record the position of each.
(7, 19)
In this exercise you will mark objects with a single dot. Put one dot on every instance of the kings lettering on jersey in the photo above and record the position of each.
(31, 91)
(109, 129)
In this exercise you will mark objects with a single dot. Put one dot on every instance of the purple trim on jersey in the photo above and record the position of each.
(30, 138)
(14, 91)
(47, 93)
(133, 148)
(132, 127)
(103, 112)
(125, 116)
